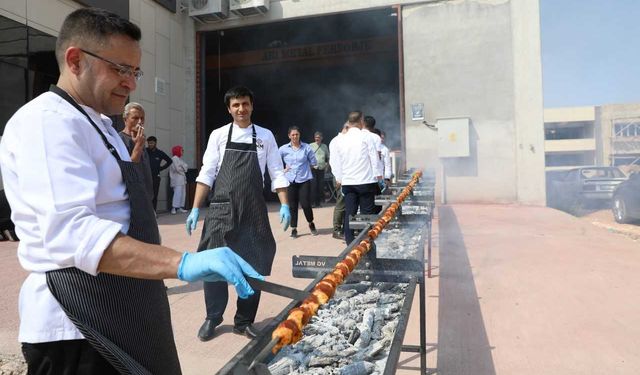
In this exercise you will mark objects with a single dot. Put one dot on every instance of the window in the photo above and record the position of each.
(627, 128)
(27, 66)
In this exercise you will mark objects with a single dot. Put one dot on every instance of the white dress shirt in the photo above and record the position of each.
(376, 141)
(354, 160)
(68, 202)
(268, 154)
(386, 162)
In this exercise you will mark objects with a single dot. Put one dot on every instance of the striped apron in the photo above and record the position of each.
(127, 320)
(237, 216)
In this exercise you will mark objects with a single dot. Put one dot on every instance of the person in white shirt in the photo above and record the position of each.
(355, 166)
(94, 301)
(233, 167)
(338, 209)
(178, 180)
(387, 173)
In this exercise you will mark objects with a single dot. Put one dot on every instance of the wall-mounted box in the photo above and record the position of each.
(453, 137)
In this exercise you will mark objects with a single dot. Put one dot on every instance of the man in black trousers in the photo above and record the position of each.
(156, 157)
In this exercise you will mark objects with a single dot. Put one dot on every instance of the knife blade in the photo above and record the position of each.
(281, 290)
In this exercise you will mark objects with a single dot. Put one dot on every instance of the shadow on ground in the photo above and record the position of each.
(463, 345)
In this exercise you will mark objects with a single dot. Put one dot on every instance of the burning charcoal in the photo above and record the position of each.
(354, 336)
(327, 352)
(383, 287)
(389, 298)
(378, 322)
(348, 352)
(349, 324)
(310, 342)
(389, 330)
(371, 296)
(389, 312)
(375, 349)
(363, 340)
(347, 293)
(358, 368)
(322, 361)
(284, 366)
(343, 307)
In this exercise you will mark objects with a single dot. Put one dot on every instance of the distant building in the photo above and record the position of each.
(600, 135)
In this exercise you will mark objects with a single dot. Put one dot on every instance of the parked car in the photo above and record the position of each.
(586, 185)
(551, 177)
(626, 200)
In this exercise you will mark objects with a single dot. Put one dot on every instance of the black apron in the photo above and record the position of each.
(127, 320)
(237, 216)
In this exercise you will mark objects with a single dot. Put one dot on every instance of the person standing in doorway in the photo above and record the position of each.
(94, 301)
(322, 157)
(233, 166)
(178, 180)
(299, 159)
(156, 157)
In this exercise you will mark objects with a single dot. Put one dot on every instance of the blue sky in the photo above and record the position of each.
(590, 52)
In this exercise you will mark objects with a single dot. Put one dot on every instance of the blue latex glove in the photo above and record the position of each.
(382, 185)
(220, 264)
(285, 216)
(192, 220)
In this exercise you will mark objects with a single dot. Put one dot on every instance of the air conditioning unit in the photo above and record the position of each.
(249, 7)
(209, 10)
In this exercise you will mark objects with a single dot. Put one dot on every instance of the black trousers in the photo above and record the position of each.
(300, 194)
(317, 186)
(67, 357)
(216, 296)
(357, 196)
(156, 188)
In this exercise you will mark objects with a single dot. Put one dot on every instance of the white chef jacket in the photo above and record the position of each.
(268, 154)
(355, 161)
(68, 202)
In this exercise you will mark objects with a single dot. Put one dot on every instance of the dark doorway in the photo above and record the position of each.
(308, 72)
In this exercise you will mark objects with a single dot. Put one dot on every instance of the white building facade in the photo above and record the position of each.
(477, 60)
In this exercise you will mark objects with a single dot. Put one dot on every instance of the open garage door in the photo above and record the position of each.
(308, 72)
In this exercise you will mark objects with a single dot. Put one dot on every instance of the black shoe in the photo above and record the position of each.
(250, 331)
(338, 235)
(207, 330)
(294, 233)
(312, 227)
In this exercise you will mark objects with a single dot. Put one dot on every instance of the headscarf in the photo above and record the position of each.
(177, 151)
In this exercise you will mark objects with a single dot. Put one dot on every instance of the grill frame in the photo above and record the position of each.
(255, 356)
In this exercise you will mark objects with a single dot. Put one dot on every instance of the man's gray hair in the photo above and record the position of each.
(317, 134)
(131, 106)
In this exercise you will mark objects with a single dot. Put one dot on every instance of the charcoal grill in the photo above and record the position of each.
(414, 218)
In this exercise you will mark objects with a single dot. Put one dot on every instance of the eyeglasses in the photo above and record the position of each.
(123, 70)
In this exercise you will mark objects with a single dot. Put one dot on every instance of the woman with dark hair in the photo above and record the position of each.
(298, 158)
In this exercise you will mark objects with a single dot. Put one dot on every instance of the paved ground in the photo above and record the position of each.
(516, 290)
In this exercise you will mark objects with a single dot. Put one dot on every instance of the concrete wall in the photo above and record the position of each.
(478, 59)
(168, 45)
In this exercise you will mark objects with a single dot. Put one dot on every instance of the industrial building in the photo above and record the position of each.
(455, 84)
(595, 135)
